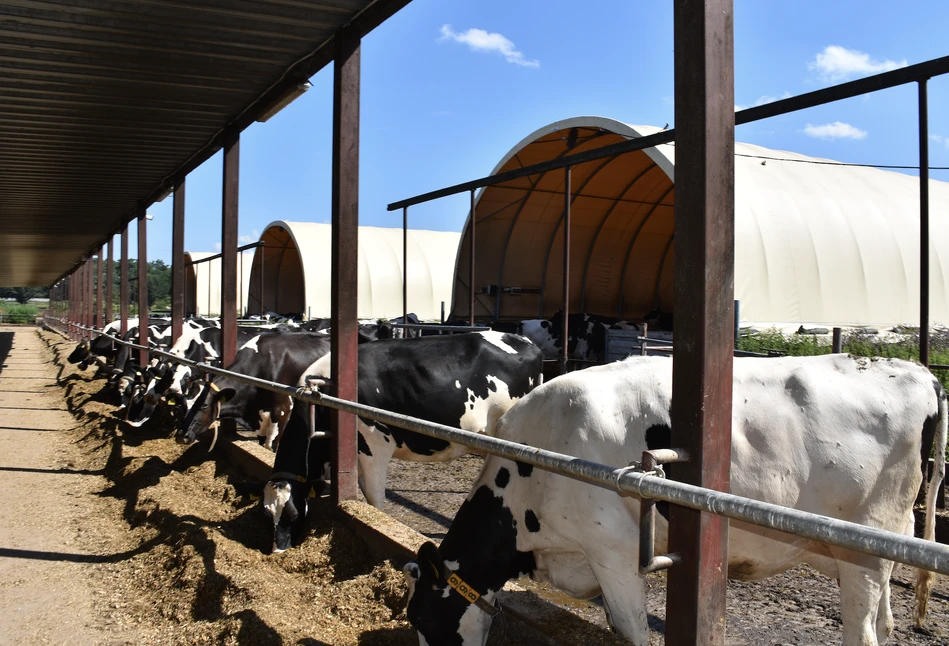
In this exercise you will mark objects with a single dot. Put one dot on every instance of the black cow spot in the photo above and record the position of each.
(545, 324)
(531, 522)
(524, 470)
(362, 447)
(659, 436)
(502, 478)
(492, 385)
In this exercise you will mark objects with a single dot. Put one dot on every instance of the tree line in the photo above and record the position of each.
(159, 286)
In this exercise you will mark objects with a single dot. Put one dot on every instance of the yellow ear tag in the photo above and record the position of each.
(312, 493)
(171, 401)
(254, 496)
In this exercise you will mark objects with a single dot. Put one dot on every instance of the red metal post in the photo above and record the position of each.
(142, 285)
(471, 265)
(99, 280)
(704, 302)
(90, 292)
(109, 290)
(232, 157)
(344, 290)
(566, 271)
(405, 266)
(178, 261)
(923, 224)
(124, 280)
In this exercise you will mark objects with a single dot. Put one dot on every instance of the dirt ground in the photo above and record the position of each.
(163, 545)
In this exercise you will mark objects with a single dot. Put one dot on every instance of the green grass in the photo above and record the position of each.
(16, 313)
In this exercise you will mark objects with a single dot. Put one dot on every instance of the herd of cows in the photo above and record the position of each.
(836, 435)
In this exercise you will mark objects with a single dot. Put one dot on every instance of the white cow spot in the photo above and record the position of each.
(276, 497)
(496, 338)
(457, 384)
(530, 382)
(377, 390)
(252, 344)
(478, 410)
(268, 429)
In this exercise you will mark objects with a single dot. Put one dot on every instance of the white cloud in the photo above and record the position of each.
(765, 98)
(253, 237)
(837, 63)
(939, 139)
(835, 130)
(217, 246)
(480, 40)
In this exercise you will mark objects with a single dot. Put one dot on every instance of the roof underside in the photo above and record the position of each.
(105, 101)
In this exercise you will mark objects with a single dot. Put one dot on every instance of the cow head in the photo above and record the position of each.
(452, 588)
(285, 504)
(441, 606)
(81, 353)
(204, 407)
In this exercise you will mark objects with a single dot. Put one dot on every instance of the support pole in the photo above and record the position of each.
(142, 285)
(405, 265)
(838, 341)
(178, 261)
(471, 265)
(232, 159)
(923, 224)
(566, 271)
(124, 280)
(704, 302)
(90, 294)
(344, 289)
(100, 278)
(109, 287)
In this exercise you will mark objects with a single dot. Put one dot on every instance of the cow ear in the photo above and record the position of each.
(430, 559)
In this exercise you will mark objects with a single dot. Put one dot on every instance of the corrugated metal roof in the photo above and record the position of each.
(102, 102)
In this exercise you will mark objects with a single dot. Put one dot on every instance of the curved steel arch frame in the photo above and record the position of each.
(632, 243)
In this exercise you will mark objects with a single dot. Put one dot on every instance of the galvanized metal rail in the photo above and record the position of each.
(626, 480)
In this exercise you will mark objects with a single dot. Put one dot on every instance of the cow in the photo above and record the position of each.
(586, 340)
(464, 380)
(280, 357)
(836, 435)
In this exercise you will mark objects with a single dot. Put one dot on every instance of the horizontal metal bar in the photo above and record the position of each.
(448, 328)
(252, 245)
(902, 76)
(868, 540)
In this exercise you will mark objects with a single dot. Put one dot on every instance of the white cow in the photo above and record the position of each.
(835, 435)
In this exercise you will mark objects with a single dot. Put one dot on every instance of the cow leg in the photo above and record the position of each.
(623, 588)
(373, 458)
(864, 588)
(884, 623)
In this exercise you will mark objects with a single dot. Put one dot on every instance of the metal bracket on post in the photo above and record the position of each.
(652, 465)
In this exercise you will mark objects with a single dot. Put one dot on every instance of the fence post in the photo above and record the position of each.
(838, 341)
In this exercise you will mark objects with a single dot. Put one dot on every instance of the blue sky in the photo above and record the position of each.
(449, 86)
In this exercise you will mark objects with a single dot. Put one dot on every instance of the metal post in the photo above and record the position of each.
(443, 313)
(260, 301)
(405, 264)
(97, 323)
(566, 271)
(471, 265)
(178, 261)
(704, 299)
(838, 341)
(737, 321)
(344, 283)
(142, 285)
(923, 224)
(124, 280)
(90, 293)
(109, 288)
(232, 156)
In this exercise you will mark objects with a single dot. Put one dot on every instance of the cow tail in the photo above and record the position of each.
(925, 579)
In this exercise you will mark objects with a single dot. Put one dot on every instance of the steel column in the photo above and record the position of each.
(142, 285)
(923, 224)
(565, 335)
(124, 280)
(471, 264)
(837, 344)
(344, 290)
(229, 206)
(178, 261)
(100, 278)
(109, 289)
(704, 302)
(405, 265)
(90, 293)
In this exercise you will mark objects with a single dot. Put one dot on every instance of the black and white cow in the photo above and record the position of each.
(586, 335)
(835, 435)
(280, 357)
(465, 381)
(126, 374)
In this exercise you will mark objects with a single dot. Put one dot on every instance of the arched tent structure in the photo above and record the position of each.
(295, 266)
(815, 242)
(203, 282)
